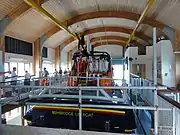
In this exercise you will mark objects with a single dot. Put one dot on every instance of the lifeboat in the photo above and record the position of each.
(88, 69)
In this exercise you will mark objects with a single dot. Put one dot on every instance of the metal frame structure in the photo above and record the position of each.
(44, 89)
(140, 86)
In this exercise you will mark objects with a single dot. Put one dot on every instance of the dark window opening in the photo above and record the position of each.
(17, 46)
(142, 50)
(45, 52)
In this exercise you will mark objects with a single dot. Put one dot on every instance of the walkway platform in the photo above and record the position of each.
(19, 130)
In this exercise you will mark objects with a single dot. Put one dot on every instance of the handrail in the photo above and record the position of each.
(150, 81)
(18, 79)
(171, 101)
(168, 90)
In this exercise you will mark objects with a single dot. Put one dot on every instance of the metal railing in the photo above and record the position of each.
(141, 92)
(20, 91)
(168, 121)
(51, 91)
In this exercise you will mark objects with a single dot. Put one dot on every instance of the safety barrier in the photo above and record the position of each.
(9, 93)
(104, 97)
(168, 121)
(141, 91)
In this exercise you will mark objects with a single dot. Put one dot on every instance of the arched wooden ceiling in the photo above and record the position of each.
(106, 29)
(110, 14)
(114, 14)
(117, 29)
(131, 13)
(7, 6)
(104, 43)
(20, 19)
(116, 38)
(19, 7)
(109, 43)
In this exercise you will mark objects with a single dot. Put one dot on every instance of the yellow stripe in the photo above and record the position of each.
(83, 109)
(128, 131)
(28, 121)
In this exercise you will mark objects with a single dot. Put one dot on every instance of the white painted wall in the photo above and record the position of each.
(168, 64)
(165, 52)
(11, 57)
(63, 59)
(114, 50)
(144, 59)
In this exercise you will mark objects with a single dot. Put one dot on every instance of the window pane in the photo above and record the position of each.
(27, 67)
(13, 64)
(49, 67)
(6, 67)
(21, 71)
(31, 68)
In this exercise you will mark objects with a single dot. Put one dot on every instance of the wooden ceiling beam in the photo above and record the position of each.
(115, 14)
(107, 14)
(106, 29)
(116, 38)
(120, 43)
(118, 29)
(22, 8)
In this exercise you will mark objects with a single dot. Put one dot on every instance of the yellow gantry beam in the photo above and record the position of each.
(42, 11)
(143, 15)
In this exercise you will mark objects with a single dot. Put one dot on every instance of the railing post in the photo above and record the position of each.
(22, 115)
(50, 81)
(98, 79)
(123, 68)
(156, 113)
(0, 114)
(174, 120)
(58, 79)
(1, 92)
(178, 98)
(155, 83)
(73, 81)
(80, 109)
(178, 122)
(155, 56)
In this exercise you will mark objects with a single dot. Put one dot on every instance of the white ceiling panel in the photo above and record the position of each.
(70, 46)
(28, 29)
(56, 39)
(64, 9)
(169, 15)
(102, 22)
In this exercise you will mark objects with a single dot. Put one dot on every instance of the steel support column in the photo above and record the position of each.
(155, 82)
